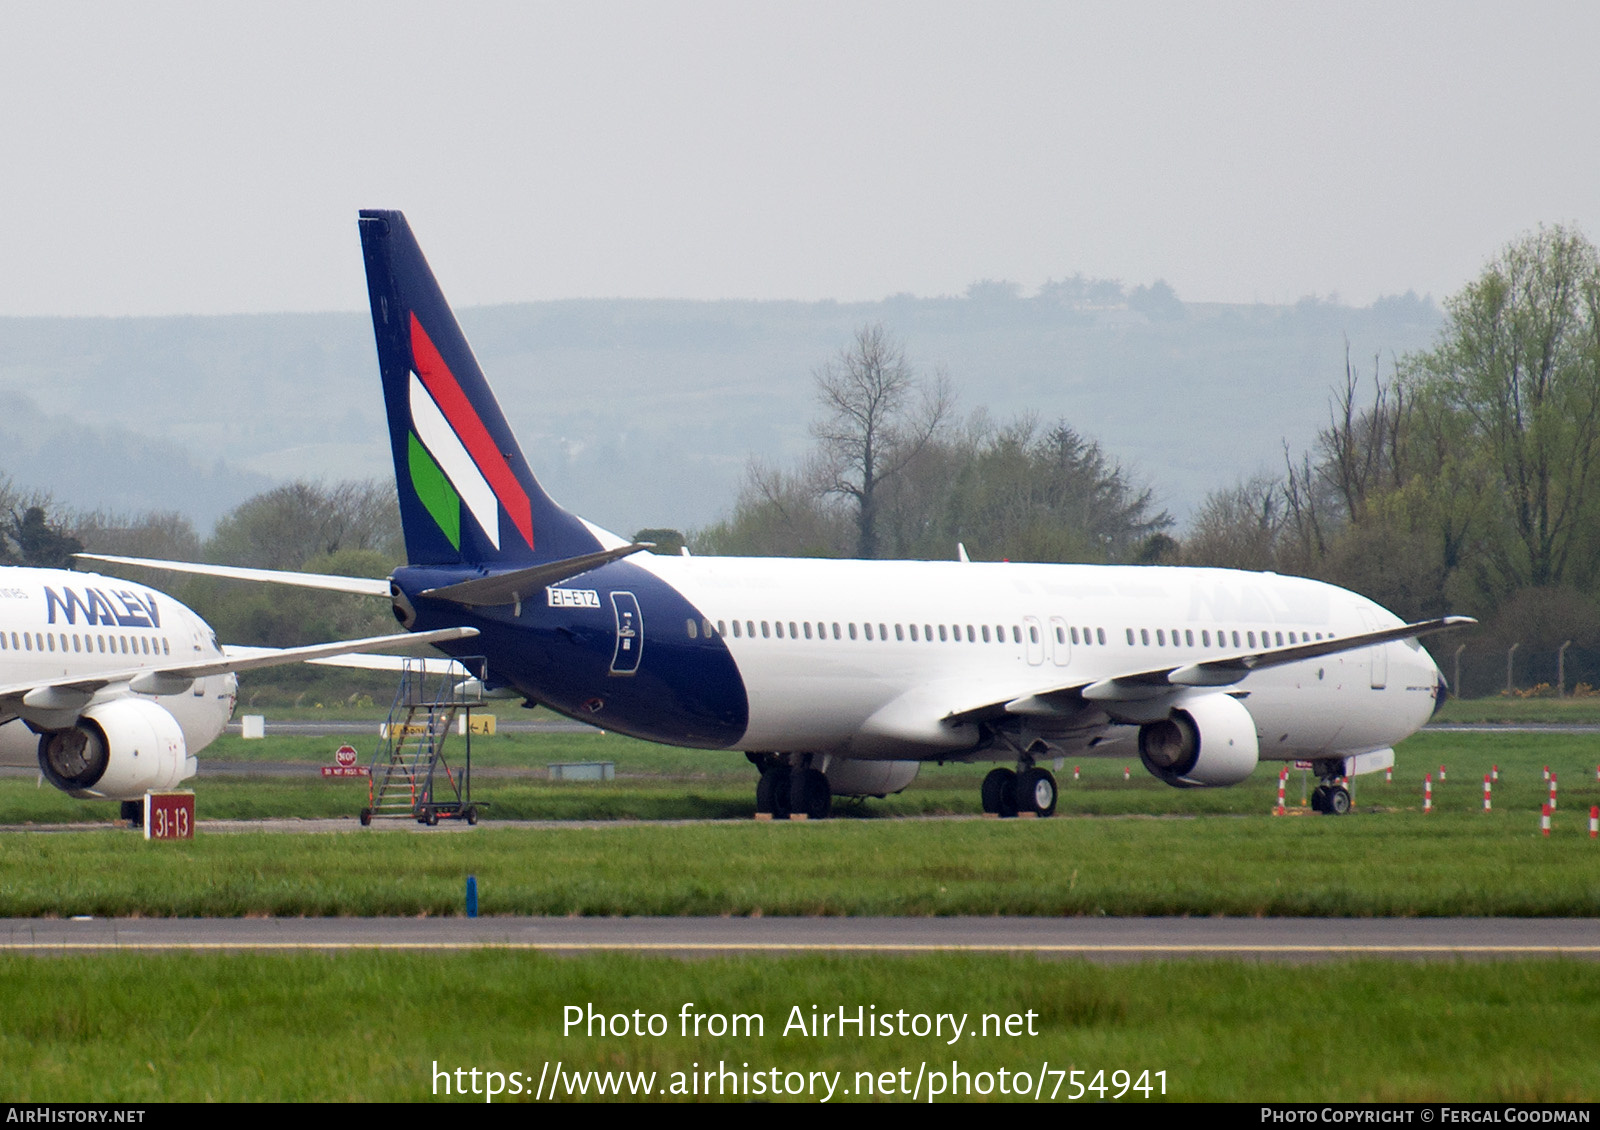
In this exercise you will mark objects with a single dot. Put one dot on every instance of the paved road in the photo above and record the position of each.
(1097, 939)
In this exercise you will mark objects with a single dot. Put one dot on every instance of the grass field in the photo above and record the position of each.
(139, 1027)
(350, 1027)
(660, 782)
(1510, 708)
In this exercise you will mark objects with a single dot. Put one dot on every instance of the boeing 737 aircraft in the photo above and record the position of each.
(843, 677)
(112, 688)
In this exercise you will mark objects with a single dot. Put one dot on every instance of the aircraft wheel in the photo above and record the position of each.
(133, 813)
(999, 796)
(772, 793)
(1319, 799)
(1035, 791)
(1337, 802)
(809, 793)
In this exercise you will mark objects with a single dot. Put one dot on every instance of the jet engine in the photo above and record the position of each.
(116, 751)
(1205, 742)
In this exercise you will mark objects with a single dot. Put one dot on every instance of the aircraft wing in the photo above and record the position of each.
(361, 661)
(362, 586)
(75, 691)
(1138, 686)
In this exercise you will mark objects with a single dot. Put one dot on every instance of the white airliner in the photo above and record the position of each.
(843, 677)
(111, 688)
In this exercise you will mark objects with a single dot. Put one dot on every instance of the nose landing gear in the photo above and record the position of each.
(1330, 797)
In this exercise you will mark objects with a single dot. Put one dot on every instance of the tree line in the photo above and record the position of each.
(1467, 478)
(894, 473)
(1461, 478)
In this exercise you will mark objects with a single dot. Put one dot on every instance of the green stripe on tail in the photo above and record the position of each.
(434, 489)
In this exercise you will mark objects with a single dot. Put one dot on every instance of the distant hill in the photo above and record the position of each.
(644, 412)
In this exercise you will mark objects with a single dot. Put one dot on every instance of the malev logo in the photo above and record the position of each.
(453, 461)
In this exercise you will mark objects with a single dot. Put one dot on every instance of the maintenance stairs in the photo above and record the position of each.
(411, 777)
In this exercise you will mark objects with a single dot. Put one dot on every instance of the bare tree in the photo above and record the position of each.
(292, 524)
(878, 418)
(1238, 528)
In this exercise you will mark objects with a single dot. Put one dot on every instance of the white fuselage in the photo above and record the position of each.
(845, 657)
(56, 624)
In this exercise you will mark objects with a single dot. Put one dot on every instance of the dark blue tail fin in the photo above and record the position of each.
(466, 493)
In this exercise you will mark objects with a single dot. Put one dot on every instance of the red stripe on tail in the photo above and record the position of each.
(441, 383)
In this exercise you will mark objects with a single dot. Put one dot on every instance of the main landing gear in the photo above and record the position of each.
(1028, 790)
(791, 790)
(1330, 797)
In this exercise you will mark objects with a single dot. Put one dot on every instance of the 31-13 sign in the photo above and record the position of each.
(169, 816)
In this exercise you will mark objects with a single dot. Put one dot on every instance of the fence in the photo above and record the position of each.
(1475, 673)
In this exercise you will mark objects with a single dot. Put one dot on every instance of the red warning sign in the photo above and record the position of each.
(347, 767)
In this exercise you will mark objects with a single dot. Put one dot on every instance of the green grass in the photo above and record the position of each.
(1509, 708)
(1387, 858)
(371, 1027)
(1399, 864)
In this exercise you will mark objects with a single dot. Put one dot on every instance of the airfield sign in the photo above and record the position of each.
(346, 765)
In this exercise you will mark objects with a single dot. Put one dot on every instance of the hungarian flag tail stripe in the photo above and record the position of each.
(440, 440)
(463, 419)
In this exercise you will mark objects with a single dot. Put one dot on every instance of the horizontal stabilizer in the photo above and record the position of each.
(280, 657)
(363, 586)
(512, 587)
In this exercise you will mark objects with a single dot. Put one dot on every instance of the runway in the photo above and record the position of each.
(1094, 939)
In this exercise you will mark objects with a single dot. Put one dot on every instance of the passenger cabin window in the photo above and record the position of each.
(1144, 636)
(694, 629)
(852, 629)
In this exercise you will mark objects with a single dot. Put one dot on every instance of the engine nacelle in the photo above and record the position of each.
(848, 776)
(116, 751)
(1207, 741)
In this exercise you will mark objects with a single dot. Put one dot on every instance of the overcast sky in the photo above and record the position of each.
(210, 158)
